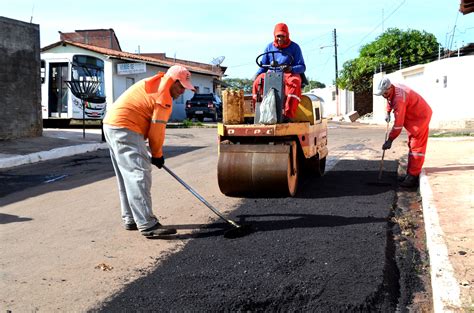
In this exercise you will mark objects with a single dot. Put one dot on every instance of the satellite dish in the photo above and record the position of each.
(218, 60)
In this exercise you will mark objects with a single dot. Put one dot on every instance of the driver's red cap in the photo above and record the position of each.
(281, 29)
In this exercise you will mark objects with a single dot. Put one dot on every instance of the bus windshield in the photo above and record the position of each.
(88, 68)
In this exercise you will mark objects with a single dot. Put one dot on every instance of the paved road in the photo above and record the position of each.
(326, 249)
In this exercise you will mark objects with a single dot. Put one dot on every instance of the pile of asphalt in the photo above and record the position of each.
(329, 249)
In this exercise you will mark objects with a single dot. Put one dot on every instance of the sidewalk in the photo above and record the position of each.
(447, 190)
(54, 143)
(446, 187)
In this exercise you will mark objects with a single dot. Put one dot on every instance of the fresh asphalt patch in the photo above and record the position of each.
(329, 249)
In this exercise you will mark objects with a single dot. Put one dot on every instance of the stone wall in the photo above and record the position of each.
(20, 83)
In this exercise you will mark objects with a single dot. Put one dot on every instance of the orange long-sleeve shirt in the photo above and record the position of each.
(145, 108)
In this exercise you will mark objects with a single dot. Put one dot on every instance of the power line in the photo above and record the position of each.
(240, 65)
(450, 42)
(376, 27)
(315, 38)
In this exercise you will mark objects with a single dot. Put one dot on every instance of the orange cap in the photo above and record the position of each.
(178, 72)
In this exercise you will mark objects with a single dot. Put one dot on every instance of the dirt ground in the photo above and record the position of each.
(73, 252)
(412, 253)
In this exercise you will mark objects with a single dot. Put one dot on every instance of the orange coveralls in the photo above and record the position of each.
(412, 112)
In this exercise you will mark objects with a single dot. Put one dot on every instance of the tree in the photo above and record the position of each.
(390, 49)
(246, 84)
(313, 84)
(240, 83)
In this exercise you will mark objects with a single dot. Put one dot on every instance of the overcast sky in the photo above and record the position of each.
(203, 30)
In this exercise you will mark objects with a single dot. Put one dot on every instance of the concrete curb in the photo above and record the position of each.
(17, 160)
(446, 292)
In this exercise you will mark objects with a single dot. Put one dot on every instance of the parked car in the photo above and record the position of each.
(204, 105)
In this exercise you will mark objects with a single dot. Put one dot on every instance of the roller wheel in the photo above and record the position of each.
(258, 169)
(316, 165)
(322, 166)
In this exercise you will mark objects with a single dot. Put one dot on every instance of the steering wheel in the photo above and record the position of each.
(274, 64)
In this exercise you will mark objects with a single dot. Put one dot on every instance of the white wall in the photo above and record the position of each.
(330, 105)
(179, 113)
(120, 81)
(445, 84)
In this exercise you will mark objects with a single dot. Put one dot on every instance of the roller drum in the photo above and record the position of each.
(257, 169)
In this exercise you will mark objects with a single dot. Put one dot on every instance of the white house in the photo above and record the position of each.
(333, 105)
(120, 71)
(445, 84)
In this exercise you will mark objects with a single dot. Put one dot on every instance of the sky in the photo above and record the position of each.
(239, 30)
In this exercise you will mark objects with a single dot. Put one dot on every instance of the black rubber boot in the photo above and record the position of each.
(130, 226)
(157, 231)
(410, 181)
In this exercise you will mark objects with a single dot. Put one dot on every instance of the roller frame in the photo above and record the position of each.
(305, 142)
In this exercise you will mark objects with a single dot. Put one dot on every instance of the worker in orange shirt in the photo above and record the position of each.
(141, 113)
(412, 112)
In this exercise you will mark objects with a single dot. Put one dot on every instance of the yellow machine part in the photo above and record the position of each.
(245, 169)
(307, 109)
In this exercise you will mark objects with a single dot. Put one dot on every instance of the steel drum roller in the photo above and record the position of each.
(255, 169)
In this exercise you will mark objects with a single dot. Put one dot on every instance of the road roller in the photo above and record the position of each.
(260, 159)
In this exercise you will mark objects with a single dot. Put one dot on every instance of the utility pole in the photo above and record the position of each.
(335, 60)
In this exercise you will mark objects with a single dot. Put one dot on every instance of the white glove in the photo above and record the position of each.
(387, 117)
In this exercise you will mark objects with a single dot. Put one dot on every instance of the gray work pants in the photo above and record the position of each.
(132, 165)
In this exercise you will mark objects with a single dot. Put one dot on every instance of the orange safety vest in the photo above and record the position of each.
(145, 108)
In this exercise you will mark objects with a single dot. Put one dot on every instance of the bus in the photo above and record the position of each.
(58, 103)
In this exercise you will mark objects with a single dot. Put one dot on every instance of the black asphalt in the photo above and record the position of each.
(329, 249)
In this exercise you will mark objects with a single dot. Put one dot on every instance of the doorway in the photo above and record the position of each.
(58, 90)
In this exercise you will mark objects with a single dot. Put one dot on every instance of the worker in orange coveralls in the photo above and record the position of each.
(292, 72)
(412, 112)
(141, 113)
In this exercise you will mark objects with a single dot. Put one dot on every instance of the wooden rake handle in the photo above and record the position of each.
(383, 153)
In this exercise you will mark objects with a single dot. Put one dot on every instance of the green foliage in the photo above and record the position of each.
(386, 52)
(239, 83)
(188, 123)
(246, 84)
(444, 134)
(313, 84)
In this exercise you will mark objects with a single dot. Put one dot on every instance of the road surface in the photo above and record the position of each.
(327, 249)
